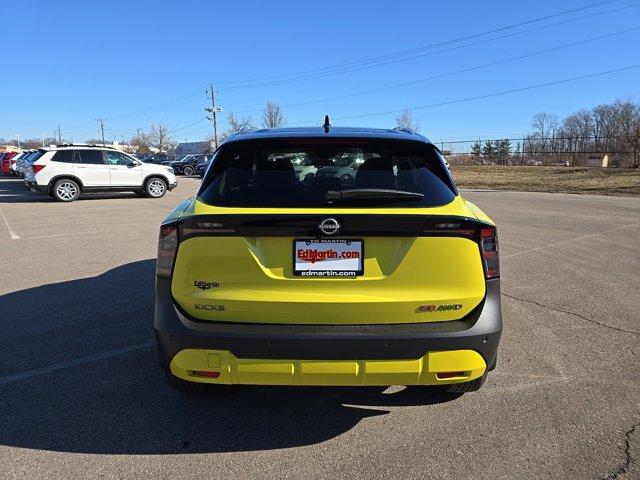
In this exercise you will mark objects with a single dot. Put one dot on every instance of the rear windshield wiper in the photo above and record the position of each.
(377, 194)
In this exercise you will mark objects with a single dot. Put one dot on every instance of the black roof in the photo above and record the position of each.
(333, 132)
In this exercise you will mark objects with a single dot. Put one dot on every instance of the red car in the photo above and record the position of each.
(7, 161)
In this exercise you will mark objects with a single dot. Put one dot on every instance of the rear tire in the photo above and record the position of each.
(65, 190)
(465, 387)
(183, 386)
(188, 170)
(155, 187)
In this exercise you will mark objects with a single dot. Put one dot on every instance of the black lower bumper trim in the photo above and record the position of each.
(37, 188)
(479, 331)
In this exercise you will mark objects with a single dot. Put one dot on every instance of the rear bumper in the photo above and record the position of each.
(35, 187)
(299, 345)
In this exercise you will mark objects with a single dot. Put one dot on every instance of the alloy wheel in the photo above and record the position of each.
(67, 191)
(156, 188)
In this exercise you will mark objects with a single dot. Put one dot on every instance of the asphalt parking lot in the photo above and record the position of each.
(81, 395)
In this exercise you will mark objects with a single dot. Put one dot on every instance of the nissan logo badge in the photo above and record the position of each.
(329, 226)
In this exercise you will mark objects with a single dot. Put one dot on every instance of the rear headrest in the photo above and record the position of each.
(376, 172)
(275, 173)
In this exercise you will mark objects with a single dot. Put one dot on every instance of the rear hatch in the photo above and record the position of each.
(391, 243)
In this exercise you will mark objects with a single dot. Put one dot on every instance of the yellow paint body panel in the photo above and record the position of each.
(401, 274)
(257, 284)
(420, 371)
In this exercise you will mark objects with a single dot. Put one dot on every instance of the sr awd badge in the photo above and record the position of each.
(438, 308)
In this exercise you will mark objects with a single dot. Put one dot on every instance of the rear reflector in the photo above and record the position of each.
(167, 247)
(444, 375)
(37, 168)
(490, 252)
(203, 373)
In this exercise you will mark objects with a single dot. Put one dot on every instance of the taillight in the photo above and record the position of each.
(490, 253)
(167, 248)
(196, 228)
(37, 168)
(451, 229)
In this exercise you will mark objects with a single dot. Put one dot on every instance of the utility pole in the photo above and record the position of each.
(18, 138)
(59, 135)
(101, 129)
(213, 110)
(42, 139)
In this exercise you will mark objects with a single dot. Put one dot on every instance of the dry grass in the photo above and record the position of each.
(594, 181)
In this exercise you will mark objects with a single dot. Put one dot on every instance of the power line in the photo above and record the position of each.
(367, 63)
(422, 48)
(176, 102)
(459, 47)
(488, 95)
(455, 72)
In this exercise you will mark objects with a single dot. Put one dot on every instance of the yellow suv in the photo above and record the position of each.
(328, 256)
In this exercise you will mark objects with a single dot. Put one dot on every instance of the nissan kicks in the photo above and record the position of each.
(382, 275)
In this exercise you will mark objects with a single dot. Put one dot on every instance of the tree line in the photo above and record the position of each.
(609, 129)
(612, 128)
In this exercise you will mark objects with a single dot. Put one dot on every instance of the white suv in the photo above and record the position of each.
(66, 171)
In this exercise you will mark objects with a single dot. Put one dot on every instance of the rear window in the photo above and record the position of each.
(312, 174)
(36, 155)
(91, 157)
(63, 156)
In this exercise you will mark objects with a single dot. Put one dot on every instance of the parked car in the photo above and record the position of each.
(156, 158)
(7, 161)
(305, 168)
(201, 167)
(344, 168)
(187, 165)
(65, 172)
(177, 159)
(19, 159)
(23, 164)
(388, 278)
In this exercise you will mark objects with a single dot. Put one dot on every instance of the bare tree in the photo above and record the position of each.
(238, 125)
(141, 142)
(588, 135)
(32, 143)
(160, 138)
(406, 121)
(272, 116)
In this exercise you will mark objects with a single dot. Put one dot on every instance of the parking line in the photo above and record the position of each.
(14, 377)
(59, 235)
(14, 235)
(571, 240)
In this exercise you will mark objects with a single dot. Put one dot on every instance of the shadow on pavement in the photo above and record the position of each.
(121, 404)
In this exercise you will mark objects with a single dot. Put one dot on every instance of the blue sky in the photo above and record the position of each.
(137, 62)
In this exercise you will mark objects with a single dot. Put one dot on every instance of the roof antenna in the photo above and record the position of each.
(326, 124)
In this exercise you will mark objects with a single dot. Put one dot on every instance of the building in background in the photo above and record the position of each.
(197, 148)
(9, 148)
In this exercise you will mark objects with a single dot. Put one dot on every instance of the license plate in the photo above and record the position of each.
(328, 257)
